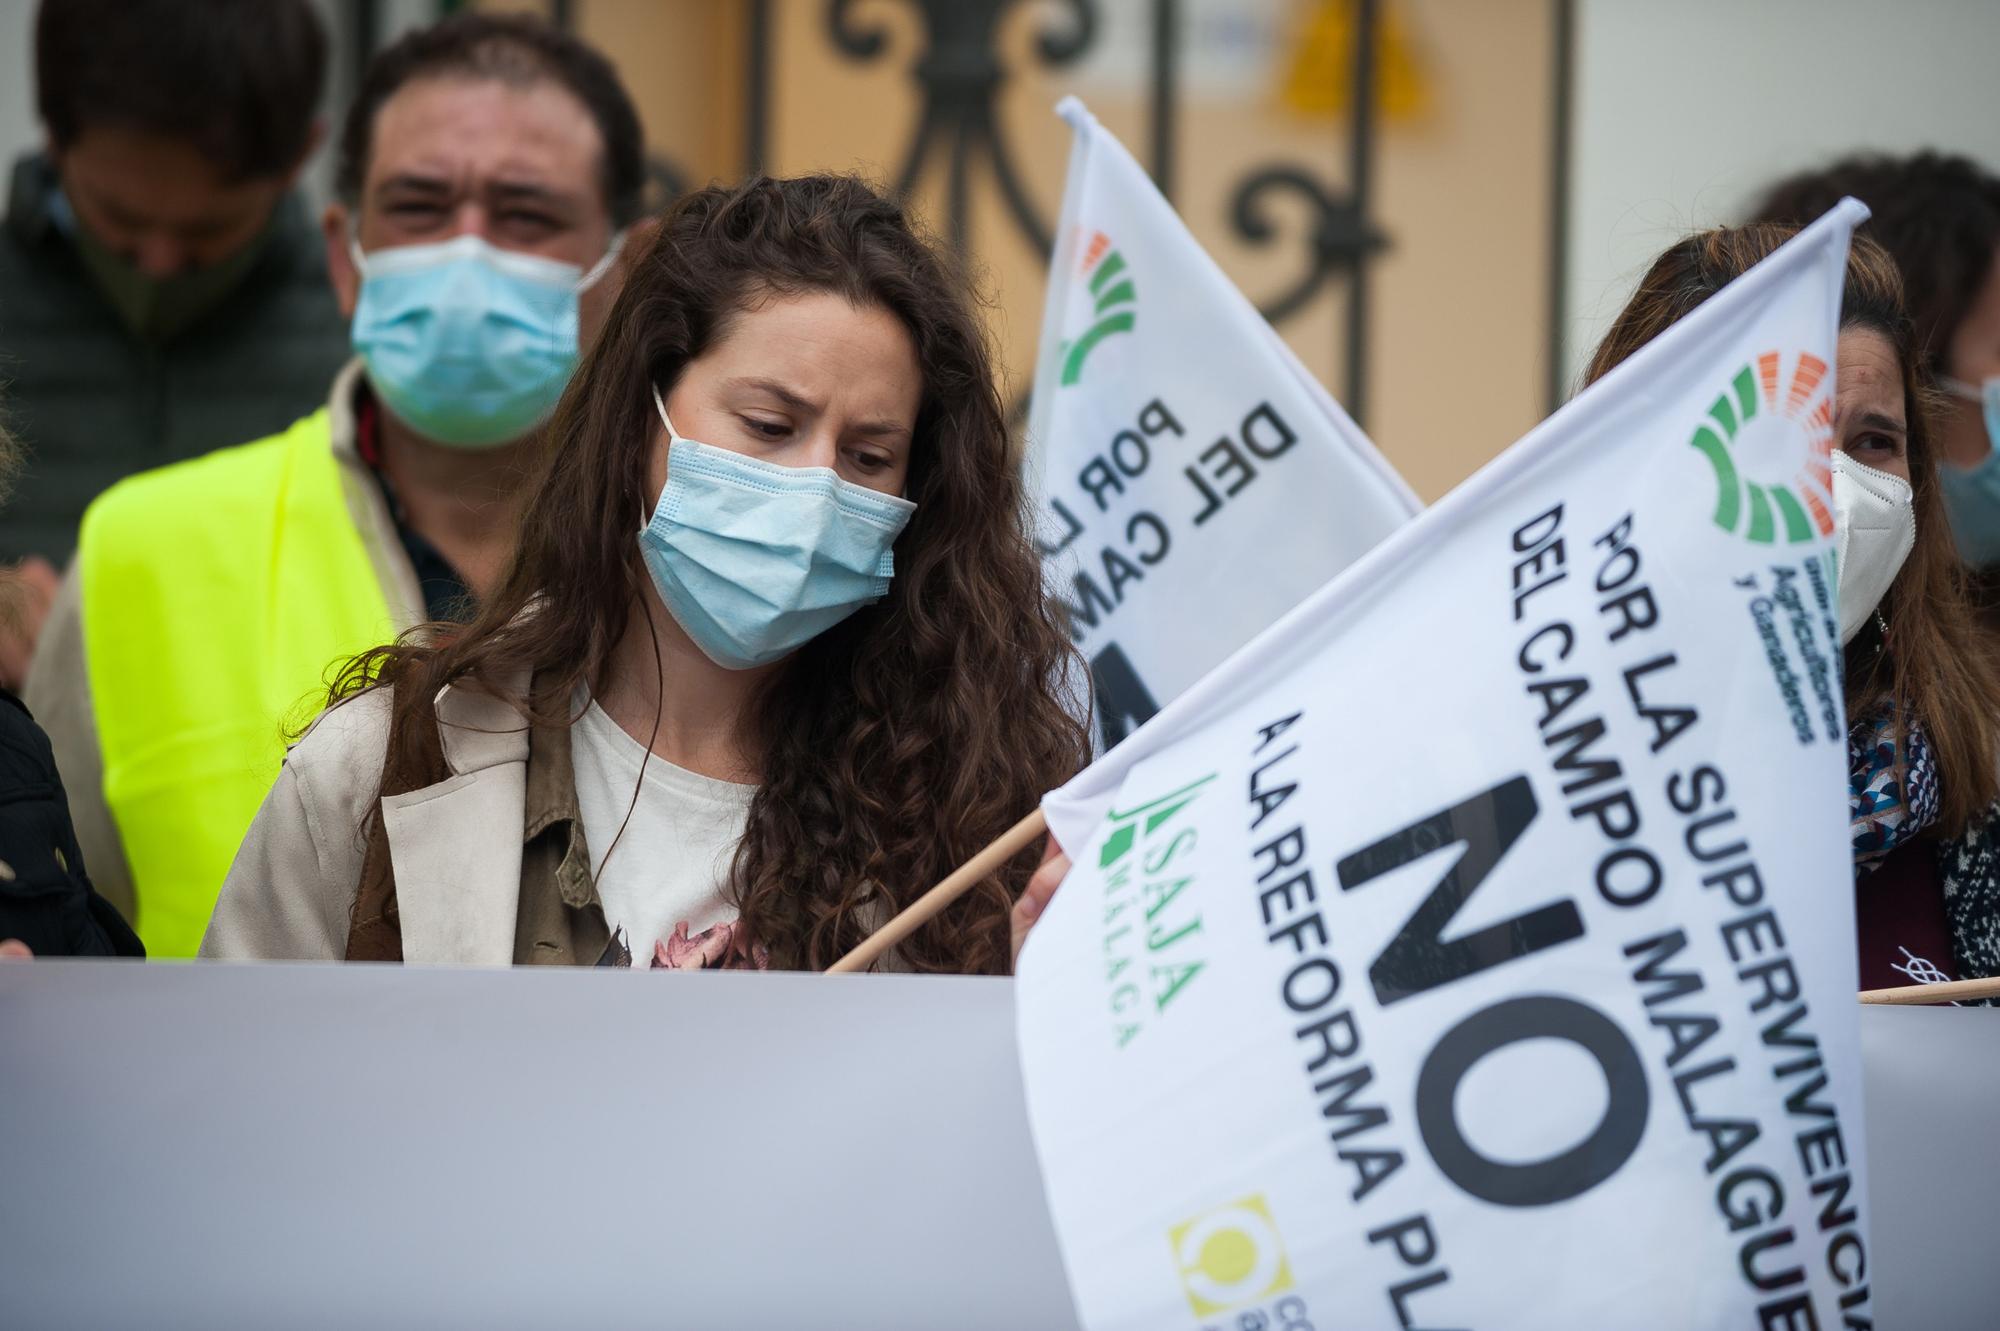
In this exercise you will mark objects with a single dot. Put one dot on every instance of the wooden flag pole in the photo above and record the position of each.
(1948, 991)
(912, 917)
(1018, 837)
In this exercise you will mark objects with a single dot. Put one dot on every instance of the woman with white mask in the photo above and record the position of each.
(1922, 678)
(771, 659)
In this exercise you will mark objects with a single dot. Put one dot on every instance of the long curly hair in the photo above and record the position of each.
(1935, 663)
(895, 744)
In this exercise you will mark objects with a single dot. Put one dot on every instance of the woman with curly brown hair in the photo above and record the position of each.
(772, 657)
(1922, 689)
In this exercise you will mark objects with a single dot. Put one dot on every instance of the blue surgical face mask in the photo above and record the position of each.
(1972, 496)
(755, 560)
(469, 344)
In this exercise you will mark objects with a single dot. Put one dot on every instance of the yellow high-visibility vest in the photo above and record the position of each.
(218, 594)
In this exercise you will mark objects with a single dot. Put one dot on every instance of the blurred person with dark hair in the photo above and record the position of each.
(487, 171)
(47, 905)
(1921, 679)
(162, 290)
(1939, 218)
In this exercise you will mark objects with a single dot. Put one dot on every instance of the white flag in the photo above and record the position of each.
(1196, 482)
(1476, 948)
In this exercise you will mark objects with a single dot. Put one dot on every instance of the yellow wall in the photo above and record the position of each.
(1460, 312)
(1459, 318)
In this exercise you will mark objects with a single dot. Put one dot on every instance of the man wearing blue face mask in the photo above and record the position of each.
(1939, 218)
(486, 173)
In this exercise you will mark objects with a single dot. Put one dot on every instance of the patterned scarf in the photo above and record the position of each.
(1890, 802)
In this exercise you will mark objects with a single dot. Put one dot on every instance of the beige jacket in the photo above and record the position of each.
(58, 686)
(491, 865)
(456, 846)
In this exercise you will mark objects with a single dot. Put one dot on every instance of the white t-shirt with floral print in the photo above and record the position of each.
(662, 885)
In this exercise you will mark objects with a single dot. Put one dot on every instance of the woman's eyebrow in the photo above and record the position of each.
(886, 428)
(1875, 420)
(791, 397)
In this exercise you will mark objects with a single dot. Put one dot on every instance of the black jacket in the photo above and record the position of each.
(46, 899)
(94, 403)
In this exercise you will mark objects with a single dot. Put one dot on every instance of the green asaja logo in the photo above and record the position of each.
(1150, 816)
(1112, 288)
(1153, 945)
(1772, 460)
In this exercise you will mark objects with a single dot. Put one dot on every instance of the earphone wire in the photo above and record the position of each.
(659, 707)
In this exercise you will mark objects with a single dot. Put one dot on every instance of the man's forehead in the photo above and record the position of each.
(167, 181)
(476, 131)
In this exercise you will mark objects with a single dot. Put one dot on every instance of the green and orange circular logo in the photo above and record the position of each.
(1112, 296)
(1769, 438)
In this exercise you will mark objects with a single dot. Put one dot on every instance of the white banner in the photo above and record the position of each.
(195, 1086)
(1475, 949)
(1196, 482)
